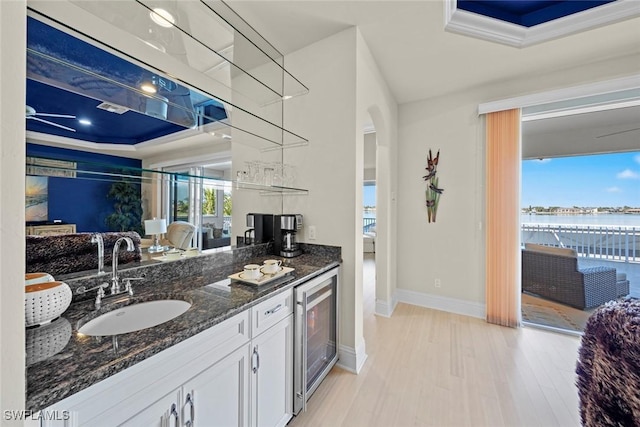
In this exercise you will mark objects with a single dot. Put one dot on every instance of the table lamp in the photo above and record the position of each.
(155, 227)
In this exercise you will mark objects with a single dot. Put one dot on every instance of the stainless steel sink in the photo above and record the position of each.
(135, 317)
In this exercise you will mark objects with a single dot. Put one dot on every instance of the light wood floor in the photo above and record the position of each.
(431, 368)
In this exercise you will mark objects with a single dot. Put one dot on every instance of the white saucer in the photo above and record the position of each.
(275, 272)
(241, 275)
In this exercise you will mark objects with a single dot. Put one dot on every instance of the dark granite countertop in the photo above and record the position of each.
(61, 362)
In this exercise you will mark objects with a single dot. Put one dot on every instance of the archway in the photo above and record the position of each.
(384, 213)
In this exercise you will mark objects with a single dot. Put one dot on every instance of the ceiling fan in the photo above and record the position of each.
(32, 114)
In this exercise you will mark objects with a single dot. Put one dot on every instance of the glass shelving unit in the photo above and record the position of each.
(215, 75)
(248, 111)
(96, 171)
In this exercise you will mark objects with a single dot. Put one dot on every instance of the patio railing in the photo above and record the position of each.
(620, 243)
(368, 224)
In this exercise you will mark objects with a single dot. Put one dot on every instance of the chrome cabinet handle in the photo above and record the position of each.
(273, 310)
(255, 360)
(174, 413)
(192, 412)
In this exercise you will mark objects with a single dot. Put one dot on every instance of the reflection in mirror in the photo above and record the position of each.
(129, 142)
(80, 67)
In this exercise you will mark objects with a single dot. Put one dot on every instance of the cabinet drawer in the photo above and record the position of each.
(271, 311)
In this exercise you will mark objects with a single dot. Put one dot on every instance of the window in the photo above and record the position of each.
(369, 206)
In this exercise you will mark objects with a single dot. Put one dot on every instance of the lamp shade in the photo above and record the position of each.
(155, 226)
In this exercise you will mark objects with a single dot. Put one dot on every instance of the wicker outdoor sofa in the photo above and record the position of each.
(553, 273)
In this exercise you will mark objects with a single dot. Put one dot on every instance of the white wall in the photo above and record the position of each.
(452, 249)
(370, 156)
(12, 169)
(376, 104)
(346, 92)
(326, 167)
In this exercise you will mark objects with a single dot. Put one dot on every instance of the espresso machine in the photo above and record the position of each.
(260, 228)
(284, 234)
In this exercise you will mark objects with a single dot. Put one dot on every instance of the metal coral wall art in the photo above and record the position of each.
(433, 192)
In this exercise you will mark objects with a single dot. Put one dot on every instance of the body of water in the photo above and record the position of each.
(631, 220)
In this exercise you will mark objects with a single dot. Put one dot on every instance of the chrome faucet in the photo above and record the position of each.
(97, 238)
(115, 280)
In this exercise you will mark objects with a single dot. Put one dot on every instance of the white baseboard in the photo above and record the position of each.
(385, 308)
(351, 359)
(451, 305)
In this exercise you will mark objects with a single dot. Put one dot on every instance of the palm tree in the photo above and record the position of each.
(209, 204)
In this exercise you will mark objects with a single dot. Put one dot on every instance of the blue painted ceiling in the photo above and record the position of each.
(66, 75)
(528, 13)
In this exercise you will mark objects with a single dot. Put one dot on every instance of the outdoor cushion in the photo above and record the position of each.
(551, 250)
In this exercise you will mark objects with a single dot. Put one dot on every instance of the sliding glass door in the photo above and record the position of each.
(204, 202)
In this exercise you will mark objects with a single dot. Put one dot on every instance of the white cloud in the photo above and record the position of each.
(628, 174)
(614, 190)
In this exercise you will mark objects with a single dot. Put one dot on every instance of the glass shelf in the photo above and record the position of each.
(208, 36)
(184, 106)
(214, 73)
(95, 171)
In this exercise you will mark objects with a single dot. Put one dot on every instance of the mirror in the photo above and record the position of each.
(187, 113)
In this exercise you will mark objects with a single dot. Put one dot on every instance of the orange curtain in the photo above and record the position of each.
(503, 220)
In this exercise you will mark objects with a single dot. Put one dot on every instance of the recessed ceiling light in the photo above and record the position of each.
(162, 17)
(84, 122)
(284, 98)
(148, 87)
(212, 133)
(149, 84)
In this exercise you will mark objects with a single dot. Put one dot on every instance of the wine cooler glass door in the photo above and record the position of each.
(316, 331)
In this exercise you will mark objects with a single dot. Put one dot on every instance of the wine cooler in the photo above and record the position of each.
(316, 334)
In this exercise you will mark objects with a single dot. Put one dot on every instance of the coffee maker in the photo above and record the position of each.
(284, 234)
(260, 228)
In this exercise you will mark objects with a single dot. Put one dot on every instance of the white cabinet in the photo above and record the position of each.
(237, 373)
(157, 414)
(272, 361)
(272, 375)
(143, 394)
(218, 396)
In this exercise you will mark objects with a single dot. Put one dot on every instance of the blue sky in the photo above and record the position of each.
(369, 195)
(598, 180)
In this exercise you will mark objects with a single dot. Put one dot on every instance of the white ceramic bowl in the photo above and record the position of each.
(35, 278)
(46, 301)
(48, 340)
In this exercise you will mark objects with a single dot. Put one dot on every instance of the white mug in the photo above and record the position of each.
(271, 266)
(251, 271)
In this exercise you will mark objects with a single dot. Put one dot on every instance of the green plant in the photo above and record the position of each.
(209, 202)
(127, 207)
(227, 205)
